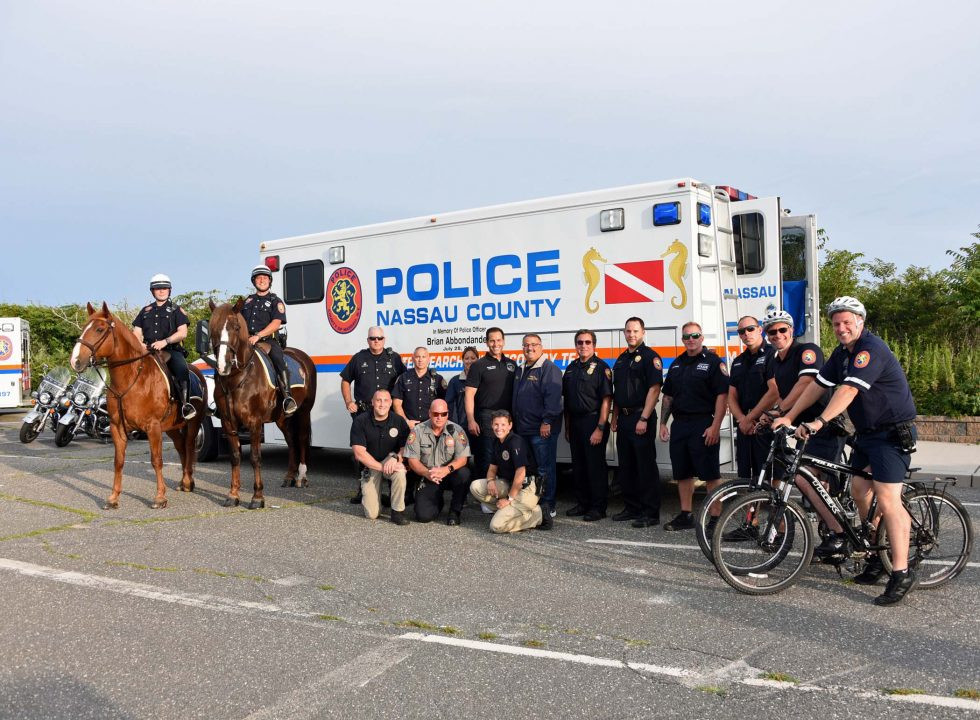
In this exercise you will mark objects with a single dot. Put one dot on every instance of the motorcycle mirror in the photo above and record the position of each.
(202, 340)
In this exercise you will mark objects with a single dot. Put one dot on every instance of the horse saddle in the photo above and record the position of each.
(292, 367)
(194, 390)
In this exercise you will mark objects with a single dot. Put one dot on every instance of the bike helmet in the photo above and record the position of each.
(845, 302)
(776, 316)
(159, 281)
(261, 270)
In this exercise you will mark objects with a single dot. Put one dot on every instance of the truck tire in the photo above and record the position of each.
(208, 442)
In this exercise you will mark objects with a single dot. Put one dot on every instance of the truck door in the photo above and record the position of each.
(800, 275)
(756, 236)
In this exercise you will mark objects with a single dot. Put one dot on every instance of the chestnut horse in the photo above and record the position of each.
(138, 399)
(245, 398)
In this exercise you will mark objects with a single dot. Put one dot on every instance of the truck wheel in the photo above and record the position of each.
(29, 432)
(208, 442)
(63, 436)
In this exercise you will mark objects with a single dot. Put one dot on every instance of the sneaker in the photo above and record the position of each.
(899, 585)
(625, 515)
(709, 529)
(832, 549)
(575, 511)
(453, 518)
(741, 534)
(399, 518)
(486, 509)
(683, 521)
(356, 500)
(593, 515)
(553, 512)
(546, 520)
(873, 570)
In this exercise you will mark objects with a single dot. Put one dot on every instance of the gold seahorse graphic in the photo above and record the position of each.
(590, 263)
(676, 271)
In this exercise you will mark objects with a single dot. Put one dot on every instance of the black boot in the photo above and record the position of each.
(899, 584)
(289, 405)
(187, 410)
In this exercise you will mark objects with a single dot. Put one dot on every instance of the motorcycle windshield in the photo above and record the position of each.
(55, 381)
(90, 383)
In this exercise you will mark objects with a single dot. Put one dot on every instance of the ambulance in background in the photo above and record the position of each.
(668, 252)
(15, 362)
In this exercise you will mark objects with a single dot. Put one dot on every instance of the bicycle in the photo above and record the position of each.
(778, 549)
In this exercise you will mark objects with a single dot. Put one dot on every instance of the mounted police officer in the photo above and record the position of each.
(161, 325)
(265, 313)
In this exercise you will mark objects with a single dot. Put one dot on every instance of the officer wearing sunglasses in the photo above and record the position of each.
(750, 396)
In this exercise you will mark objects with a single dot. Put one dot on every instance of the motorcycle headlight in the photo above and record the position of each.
(80, 398)
(34, 394)
(44, 397)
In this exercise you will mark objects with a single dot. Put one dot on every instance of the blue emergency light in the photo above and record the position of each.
(667, 213)
(704, 214)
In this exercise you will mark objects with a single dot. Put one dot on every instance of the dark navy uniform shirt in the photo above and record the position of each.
(634, 373)
(537, 398)
(260, 310)
(511, 454)
(417, 393)
(369, 372)
(494, 382)
(748, 376)
(884, 396)
(158, 322)
(381, 438)
(585, 385)
(694, 383)
(802, 359)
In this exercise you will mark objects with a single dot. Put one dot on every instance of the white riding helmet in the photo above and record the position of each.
(846, 302)
(261, 270)
(776, 316)
(160, 281)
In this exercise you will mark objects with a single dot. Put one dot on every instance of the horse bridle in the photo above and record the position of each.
(235, 365)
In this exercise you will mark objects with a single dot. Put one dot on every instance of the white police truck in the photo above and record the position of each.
(15, 362)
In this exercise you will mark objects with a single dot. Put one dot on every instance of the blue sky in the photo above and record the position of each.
(176, 136)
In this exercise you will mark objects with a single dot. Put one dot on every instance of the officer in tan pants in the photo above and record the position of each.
(378, 438)
(510, 488)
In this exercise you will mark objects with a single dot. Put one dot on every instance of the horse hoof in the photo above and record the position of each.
(111, 505)
(159, 504)
(287, 483)
(231, 502)
(303, 483)
(186, 489)
(255, 504)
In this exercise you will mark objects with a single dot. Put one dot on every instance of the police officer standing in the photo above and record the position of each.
(489, 387)
(587, 391)
(437, 451)
(416, 388)
(377, 439)
(265, 313)
(696, 394)
(161, 325)
(872, 387)
(749, 396)
(637, 378)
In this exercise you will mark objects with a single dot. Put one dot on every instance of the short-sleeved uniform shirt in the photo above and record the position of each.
(802, 359)
(417, 393)
(158, 322)
(884, 396)
(381, 438)
(511, 454)
(433, 451)
(494, 382)
(585, 385)
(748, 375)
(369, 372)
(694, 383)
(634, 373)
(260, 310)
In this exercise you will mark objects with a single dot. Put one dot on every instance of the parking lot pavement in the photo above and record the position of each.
(306, 609)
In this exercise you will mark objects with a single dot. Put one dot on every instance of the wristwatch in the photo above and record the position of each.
(644, 419)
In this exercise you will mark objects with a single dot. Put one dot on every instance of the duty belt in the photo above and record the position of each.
(630, 410)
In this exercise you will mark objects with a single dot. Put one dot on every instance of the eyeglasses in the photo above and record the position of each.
(372, 337)
(439, 414)
(747, 329)
(691, 336)
(583, 342)
(772, 332)
(531, 345)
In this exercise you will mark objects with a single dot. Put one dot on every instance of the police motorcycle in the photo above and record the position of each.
(86, 411)
(47, 403)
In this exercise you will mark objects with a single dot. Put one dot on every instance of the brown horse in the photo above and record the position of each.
(138, 399)
(246, 398)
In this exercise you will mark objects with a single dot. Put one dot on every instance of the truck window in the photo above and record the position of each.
(303, 282)
(749, 232)
(794, 253)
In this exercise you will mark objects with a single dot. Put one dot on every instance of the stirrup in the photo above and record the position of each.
(289, 406)
(188, 411)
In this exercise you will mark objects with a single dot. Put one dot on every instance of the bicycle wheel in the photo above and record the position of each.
(723, 493)
(941, 539)
(777, 555)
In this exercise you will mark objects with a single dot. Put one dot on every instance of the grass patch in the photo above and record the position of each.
(780, 677)
(487, 636)
(449, 630)
(967, 694)
(903, 691)
(712, 690)
(236, 576)
(329, 618)
(140, 566)
(418, 624)
(86, 515)
(326, 588)
(545, 628)
(533, 644)
(573, 631)
(636, 643)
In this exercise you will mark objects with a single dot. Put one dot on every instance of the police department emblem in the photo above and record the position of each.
(6, 348)
(809, 357)
(862, 359)
(505, 455)
(511, 367)
(657, 363)
(343, 300)
(393, 432)
(724, 368)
